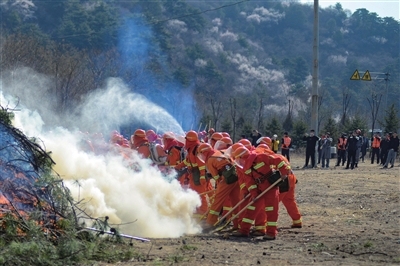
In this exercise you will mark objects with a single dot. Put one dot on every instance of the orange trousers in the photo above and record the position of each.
(268, 204)
(289, 201)
(201, 189)
(223, 191)
(259, 221)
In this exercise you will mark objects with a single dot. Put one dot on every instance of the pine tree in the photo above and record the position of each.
(391, 121)
(273, 127)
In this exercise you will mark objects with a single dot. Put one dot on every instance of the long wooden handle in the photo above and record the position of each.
(231, 210)
(248, 205)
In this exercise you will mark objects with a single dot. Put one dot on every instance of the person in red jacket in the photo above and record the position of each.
(196, 170)
(257, 169)
(140, 143)
(287, 192)
(218, 166)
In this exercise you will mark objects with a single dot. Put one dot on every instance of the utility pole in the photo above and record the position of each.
(314, 97)
(387, 91)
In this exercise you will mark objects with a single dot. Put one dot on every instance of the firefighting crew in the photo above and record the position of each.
(258, 171)
(224, 174)
(236, 174)
(197, 171)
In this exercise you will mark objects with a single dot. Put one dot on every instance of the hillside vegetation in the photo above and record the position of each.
(234, 66)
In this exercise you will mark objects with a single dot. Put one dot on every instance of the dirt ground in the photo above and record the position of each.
(350, 217)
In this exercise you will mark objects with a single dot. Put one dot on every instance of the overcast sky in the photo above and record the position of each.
(384, 8)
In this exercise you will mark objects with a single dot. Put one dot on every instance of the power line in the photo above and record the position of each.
(165, 20)
(200, 12)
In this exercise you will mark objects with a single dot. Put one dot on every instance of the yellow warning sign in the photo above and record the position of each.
(367, 76)
(356, 75)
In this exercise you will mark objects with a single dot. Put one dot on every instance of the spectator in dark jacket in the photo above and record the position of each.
(393, 148)
(384, 148)
(311, 140)
(254, 137)
(351, 147)
(364, 146)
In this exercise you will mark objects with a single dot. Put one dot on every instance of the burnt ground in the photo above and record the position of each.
(350, 217)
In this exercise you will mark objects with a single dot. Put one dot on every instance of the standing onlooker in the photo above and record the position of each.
(286, 145)
(351, 148)
(392, 150)
(275, 143)
(375, 145)
(364, 146)
(319, 148)
(341, 145)
(384, 148)
(311, 140)
(359, 144)
(254, 137)
(326, 151)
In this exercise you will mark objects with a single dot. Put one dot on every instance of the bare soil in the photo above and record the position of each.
(350, 217)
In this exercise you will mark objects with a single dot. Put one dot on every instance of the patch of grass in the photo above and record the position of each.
(368, 244)
(176, 258)
(188, 247)
(319, 246)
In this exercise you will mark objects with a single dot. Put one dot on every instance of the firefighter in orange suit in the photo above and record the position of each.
(286, 145)
(218, 165)
(140, 143)
(261, 219)
(257, 168)
(197, 171)
(174, 150)
(287, 197)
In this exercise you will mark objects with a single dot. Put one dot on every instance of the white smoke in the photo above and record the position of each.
(106, 109)
(339, 59)
(157, 206)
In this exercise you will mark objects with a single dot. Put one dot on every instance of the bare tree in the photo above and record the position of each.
(374, 103)
(345, 105)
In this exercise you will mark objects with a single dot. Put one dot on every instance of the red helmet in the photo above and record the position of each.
(216, 136)
(225, 134)
(202, 151)
(192, 136)
(264, 146)
(241, 152)
(223, 143)
(151, 135)
(168, 135)
(140, 133)
(245, 143)
(227, 140)
(204, 147)
(265, 140)
(236, 145)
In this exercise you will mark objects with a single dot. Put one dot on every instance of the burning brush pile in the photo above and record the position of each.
(29, 191)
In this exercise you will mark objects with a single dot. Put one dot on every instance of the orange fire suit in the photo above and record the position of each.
(261, 219)
(191, 162)
(287, 198)
(216, 163)
(141, 145)
(258, 166)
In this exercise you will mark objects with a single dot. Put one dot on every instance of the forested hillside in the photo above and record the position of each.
(239, 65)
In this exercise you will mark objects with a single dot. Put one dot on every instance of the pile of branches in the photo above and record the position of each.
(29, 189)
